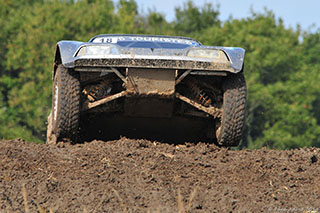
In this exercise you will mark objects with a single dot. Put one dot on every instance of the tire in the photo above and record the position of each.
(229, 133)
(63, 121)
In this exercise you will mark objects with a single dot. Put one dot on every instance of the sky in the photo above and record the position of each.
(293, 12)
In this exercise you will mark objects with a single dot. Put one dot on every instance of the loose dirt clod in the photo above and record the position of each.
(138, 176)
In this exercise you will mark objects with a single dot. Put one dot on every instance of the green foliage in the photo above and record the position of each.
(127, 13)
(192, 20)
(282, 71)
(156, 24)
(311, 48)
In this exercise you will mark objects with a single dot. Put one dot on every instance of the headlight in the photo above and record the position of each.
(207, 53)
(98, 50)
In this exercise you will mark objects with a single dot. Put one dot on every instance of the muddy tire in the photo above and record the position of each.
(63, 121)
(229, 132)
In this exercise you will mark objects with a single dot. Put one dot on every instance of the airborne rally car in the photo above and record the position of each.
(145, 76)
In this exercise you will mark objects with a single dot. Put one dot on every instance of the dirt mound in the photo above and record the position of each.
(143, 176)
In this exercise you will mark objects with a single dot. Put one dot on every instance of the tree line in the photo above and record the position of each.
(281, 67)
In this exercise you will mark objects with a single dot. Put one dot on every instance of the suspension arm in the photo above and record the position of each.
(213, 111)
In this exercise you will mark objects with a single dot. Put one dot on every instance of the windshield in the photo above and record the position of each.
(147, 42)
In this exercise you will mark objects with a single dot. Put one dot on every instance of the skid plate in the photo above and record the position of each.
(150, 93)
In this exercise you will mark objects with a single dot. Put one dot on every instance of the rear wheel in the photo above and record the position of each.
(230, 128)
(63, 121)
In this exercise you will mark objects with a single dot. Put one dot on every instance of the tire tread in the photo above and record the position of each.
(69, 112)
(234, 107)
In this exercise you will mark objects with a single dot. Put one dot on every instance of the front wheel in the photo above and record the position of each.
(230, 128)
(63, 121)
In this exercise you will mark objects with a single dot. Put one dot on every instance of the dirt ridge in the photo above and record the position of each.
(129, 175)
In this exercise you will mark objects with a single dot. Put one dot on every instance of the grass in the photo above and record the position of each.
(182, 207)
(25, 198)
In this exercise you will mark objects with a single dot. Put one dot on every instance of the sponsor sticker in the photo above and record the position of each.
(115, 40)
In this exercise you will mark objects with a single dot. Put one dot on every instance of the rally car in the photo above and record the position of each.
(148, 76)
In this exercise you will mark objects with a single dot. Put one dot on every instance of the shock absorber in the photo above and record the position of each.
(97, 91)
(199, 94)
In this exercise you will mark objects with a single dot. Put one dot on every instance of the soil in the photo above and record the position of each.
(130, 175)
